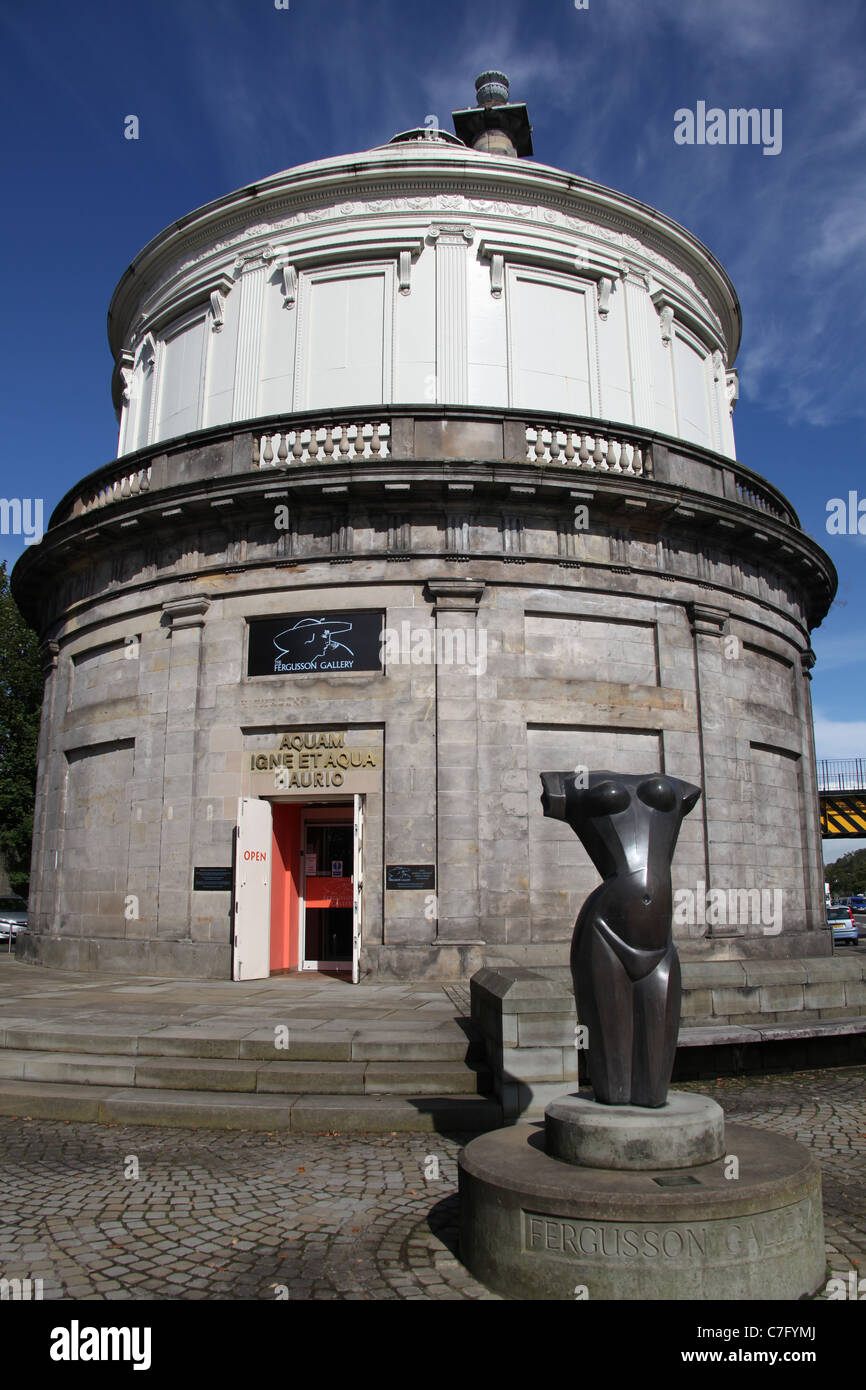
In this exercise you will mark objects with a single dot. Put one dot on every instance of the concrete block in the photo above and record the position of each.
(740, 1001)
(781, 998)
(425, 1048)
(534, 1064)
(385, 1114)
(304, 1078)
(302, 1046)
(697, 1003)
(199, 1074)
(821, 970)
(47, 1101)
(828, 995)
(202, 1110)
(545, 1030)
(82, 1069)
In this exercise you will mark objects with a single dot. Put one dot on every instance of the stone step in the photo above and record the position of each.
(305, 1114)
(249, 1076)
(386, 1042)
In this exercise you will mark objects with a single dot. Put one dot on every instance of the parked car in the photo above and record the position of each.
(841, 919)
(13, 918)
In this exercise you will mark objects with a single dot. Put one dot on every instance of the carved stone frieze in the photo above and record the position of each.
(598, 225)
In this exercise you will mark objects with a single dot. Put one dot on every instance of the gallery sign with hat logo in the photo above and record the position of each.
(315, 644)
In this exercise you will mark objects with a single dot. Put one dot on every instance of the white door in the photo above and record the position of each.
(252, 925)
(181, 378)
(344, 326)
(358, 877)
(550, 333)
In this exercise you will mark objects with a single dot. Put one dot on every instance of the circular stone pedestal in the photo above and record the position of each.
(532, 1226)
(684, 1131)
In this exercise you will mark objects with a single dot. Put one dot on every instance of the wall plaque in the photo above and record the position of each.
(329, 644)
(208, 880)
(410, 876)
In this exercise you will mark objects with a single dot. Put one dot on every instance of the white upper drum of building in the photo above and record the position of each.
(425, 272)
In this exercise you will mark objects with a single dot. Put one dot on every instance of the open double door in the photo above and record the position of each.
(298, 895)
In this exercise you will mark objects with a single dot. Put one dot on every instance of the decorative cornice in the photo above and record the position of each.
(52, 583)
(126, 366)
(48, 654)
(707, 620)
(450, 233)
(186, 612)
(197, 291)
(217, 304)
(528, 247)
(289, 283)
(455, 595)
(605, 290)
(482, 183)
(672, 305)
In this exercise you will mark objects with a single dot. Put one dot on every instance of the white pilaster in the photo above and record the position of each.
(637, 311)
(452, 314)
(252, 292)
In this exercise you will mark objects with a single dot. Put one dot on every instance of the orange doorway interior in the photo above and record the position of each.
(301, 835)
(285, 897)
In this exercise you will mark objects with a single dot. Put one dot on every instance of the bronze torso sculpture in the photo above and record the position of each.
(624, 963)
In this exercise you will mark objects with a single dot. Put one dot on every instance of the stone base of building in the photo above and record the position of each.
(195, 960)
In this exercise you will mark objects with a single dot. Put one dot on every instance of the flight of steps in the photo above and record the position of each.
(363, 1079)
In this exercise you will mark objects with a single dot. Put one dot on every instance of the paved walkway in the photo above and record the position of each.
(130, 1212)
(56, 1000)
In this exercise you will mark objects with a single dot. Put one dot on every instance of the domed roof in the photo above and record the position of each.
(423, 132)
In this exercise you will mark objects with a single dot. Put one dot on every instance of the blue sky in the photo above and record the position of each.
(228, 91)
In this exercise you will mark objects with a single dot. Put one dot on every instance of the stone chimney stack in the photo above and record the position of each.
(495, 125)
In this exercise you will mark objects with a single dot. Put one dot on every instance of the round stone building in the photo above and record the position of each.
(426, 483)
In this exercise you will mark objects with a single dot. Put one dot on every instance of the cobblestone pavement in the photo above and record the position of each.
(215, 1215)
(827, 1111)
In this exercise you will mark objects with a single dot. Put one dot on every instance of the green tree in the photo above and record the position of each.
(20, 705)
(847, 875)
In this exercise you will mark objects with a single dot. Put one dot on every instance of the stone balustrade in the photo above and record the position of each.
(115, 490)
(323, 444)
(598, 452)
(427, 434)
(751, 494)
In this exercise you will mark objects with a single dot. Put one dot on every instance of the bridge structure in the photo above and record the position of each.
(842, 794)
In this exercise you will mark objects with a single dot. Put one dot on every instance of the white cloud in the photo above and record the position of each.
(839, 738)
(835, 652)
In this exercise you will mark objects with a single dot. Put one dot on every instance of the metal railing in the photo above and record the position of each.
(842, 774)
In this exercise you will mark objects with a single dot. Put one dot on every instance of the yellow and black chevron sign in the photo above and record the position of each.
(843, 815)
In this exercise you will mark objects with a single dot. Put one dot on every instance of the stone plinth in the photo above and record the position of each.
(686, 1130)
(534, 1227)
